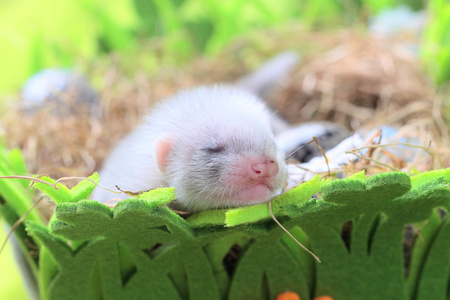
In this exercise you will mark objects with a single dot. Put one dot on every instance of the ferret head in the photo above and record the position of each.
(221, 152)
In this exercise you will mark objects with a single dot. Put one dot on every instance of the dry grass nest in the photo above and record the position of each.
(347, 78)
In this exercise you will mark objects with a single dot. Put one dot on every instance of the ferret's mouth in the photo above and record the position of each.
(253, 194)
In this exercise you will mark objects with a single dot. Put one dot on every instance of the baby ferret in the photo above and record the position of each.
(214, 145)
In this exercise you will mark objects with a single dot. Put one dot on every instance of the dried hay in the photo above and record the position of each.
(367, 83)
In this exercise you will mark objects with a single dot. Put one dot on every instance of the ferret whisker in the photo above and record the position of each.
(211, 192)
(201, 191)
(221, 194)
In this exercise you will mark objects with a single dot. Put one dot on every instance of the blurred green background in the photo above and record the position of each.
(11, 283)
(39, 34)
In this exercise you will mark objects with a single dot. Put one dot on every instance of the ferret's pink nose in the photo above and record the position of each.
(265, 169)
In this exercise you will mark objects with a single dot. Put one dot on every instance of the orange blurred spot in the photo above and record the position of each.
(288, 296)
(323, 298)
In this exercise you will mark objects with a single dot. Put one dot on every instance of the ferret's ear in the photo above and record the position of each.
(163, 147)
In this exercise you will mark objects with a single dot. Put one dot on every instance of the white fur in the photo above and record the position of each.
(193, 120)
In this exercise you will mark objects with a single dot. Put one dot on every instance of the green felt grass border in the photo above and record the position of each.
(142, 250)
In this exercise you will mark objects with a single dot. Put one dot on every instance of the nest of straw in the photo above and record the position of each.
(359, 80)
(351, 80)
(364, 82)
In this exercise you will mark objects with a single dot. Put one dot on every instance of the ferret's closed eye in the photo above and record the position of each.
(214, 149)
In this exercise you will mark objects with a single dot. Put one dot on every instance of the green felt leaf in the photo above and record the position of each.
(63, 194)
(259, 212)
(141, 249)
(209, 217)
(159, 196)
(432, 282)
(84, 189)
(59, 195)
